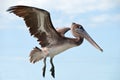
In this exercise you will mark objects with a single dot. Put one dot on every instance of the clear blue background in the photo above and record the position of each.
(100, 18)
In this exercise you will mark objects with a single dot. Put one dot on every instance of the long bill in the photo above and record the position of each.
(87, 36)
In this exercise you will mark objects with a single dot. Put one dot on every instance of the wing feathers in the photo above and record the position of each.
(39, 23)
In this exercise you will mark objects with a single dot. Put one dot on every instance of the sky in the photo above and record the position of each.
(100, 18)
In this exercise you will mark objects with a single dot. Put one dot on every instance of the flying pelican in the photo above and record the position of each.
(52, 40)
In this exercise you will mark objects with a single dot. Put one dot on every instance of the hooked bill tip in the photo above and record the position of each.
(101, 50)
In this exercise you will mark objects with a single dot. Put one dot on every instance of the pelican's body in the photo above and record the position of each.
(52, 51)
(52, 40)
(56, 49)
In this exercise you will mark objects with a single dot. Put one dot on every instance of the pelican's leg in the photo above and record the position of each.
(52, 68)
(44, 68)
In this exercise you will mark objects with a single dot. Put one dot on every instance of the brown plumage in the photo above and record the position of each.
(31, 15)
(52, 40)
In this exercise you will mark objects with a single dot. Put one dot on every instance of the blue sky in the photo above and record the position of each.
(100, 18)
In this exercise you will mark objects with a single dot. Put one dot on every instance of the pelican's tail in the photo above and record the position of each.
(36, 55)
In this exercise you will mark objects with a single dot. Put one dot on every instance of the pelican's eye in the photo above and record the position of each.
(80, 27)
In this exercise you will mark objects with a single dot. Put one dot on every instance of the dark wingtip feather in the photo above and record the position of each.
(11, 9)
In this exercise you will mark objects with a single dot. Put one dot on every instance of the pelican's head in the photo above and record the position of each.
(79, 32)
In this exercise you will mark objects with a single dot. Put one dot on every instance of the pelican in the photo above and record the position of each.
(52, 41)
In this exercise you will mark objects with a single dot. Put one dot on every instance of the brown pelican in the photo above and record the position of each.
(52, 41)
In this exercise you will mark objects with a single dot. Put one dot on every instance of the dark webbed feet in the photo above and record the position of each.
(52, 70)
(44, 68)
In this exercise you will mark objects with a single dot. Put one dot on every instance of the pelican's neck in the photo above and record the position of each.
(79, 40)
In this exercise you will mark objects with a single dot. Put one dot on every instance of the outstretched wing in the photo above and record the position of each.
(39, 23)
